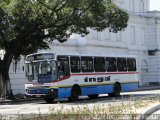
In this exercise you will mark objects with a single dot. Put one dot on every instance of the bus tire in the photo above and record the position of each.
(116, 90)
(49, 100)
(93, 96)
(75, 92)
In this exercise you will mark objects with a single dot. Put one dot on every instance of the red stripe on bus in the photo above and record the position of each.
(111, 73)
(66, 77)
(61, 79)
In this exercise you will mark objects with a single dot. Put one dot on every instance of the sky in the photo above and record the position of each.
(155, 5)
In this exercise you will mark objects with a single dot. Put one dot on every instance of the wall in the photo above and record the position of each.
(133, 6)
(141, 35)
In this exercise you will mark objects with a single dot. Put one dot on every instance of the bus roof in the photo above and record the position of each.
(90, 55)
(40, 56)
(78, 54)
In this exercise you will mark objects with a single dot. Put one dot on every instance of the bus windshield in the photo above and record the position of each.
(41, 71)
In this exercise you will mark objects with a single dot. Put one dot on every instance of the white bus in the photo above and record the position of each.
(69, 76)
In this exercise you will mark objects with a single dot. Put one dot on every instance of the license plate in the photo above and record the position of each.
(38, 96)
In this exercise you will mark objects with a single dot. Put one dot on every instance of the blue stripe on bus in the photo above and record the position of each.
(129, 87)
(64, 92)
(96, 89)
(102, 89)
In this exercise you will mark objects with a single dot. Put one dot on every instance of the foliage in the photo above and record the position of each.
(128, 108)
(23, 22)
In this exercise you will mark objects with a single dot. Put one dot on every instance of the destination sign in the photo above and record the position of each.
(40, 57)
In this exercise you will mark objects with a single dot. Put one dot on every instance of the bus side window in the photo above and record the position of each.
(111, 64)
(75, 64)
(87, 64)
(121, 64)
(131, 64)
(99, 64)
(63, 65)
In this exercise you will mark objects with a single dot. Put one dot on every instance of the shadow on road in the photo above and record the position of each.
(101, 99)
(84, 100)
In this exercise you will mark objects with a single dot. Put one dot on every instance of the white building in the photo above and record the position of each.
(140, 38)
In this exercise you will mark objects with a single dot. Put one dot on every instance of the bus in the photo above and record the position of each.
(52, 76)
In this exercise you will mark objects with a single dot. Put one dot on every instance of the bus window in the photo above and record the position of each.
(75, 64)
(99, 64)
(121, 64)
(111, 64)
(63, 65)
(131, 64)
(87, 64)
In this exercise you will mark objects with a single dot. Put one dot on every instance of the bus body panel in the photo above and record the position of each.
(89, 87)
(100, 89)
(64, 92)
(95, 80)
(129, 87)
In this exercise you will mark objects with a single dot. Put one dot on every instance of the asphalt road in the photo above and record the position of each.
(40, 107)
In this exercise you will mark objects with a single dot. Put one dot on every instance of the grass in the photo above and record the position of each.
(127, 107)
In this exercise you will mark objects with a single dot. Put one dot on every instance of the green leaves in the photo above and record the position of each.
(22, 22)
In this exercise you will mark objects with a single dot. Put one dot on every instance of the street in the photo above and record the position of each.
(37, 107)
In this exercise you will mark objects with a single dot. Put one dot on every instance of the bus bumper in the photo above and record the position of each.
(41, 93)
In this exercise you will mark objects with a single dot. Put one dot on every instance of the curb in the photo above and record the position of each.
(149, 112)
(148, 88)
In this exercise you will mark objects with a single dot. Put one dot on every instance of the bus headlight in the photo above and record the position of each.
(27, 91)
(52, 90)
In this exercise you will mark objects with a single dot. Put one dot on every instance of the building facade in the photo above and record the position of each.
(141, 38)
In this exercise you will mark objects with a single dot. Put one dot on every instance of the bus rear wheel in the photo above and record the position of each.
(75, 92)
(93, 96)
(116, 90)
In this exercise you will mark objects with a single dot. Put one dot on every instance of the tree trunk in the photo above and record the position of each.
(1, 86)
(6, 91)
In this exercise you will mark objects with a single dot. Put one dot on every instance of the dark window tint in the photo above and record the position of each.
(131, 64)
(111, 64)
(99, 64)
(87, 64)
(121, 64)
(75, 64)
(63, 64)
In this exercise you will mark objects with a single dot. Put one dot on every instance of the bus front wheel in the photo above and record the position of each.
(116, 90)
(75, 92)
